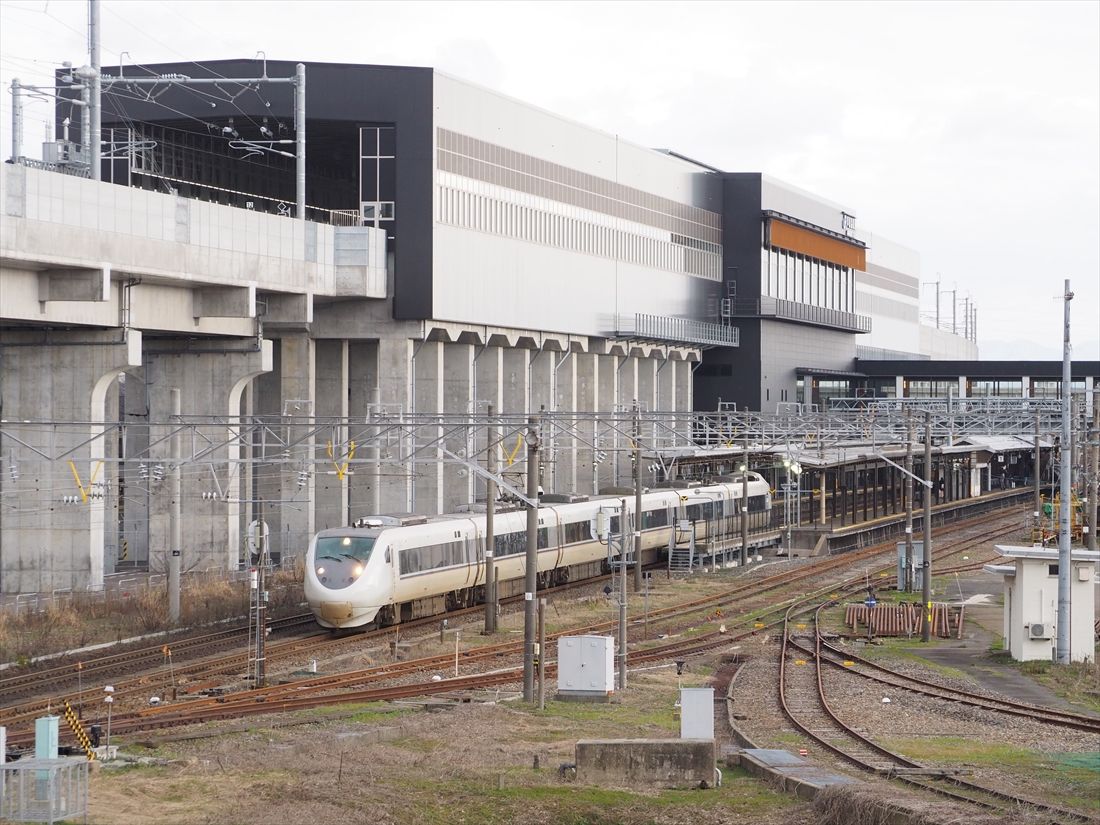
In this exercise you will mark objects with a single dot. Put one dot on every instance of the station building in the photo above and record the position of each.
(459, 249)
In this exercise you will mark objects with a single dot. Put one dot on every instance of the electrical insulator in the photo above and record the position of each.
(143, 470)
(209, 496)
(303, 478)
(13, 469)
(158, 473)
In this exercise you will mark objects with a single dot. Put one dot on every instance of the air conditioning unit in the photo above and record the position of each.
(1038, 630)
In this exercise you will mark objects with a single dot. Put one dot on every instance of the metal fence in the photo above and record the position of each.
(44, 790)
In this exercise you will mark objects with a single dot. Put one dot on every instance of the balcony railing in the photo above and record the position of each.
(680, 330)
(767, 307)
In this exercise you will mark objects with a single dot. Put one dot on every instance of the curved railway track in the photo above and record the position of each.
(804, 701)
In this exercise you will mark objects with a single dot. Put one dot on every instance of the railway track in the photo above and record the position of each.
(837, 657)
(272, 699)
(805, 702)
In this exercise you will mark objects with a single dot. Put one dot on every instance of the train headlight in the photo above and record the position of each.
(320, 571)
(347, 541)
(357, 570)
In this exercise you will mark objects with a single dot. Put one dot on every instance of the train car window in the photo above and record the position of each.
(345, 547)
(757, 504)
(508, 544)
(419, 559)
(577, 532)
(654, 518)
(544, 538)
(614, 526)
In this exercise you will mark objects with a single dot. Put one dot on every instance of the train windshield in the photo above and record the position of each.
(340, 560)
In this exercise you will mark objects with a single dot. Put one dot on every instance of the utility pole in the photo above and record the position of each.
(637, 500)
(745, 507)
(622, 594)
(542, 654)
(1065, 492)
(531, 580)
(300, 140)
(1038, 480)
(16, 120)
(908, 583)
(175, 524)
(490, 530)
(926, 582)
(1094, 472)
(261, 601)
(95, 108)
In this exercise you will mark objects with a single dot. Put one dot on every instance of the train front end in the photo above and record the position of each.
(346, 577)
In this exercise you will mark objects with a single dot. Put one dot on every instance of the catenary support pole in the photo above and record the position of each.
(1065, 492)
(490, 529)
(531, 580)
(542, 654)
(1038, 480)
(622, 594)
(261, 602)
(95, 109)
(637, 499)
(926, 564)
(1094, 472)
(300, 140)
(745, 508)
(175, 525)
(908, 584)
(16, 120)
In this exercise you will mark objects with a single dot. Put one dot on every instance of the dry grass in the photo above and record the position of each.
(88, 618)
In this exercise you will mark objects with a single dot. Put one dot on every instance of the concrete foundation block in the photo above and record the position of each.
(666, 763)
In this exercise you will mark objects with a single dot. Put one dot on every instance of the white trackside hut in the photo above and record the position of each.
(1031, 602)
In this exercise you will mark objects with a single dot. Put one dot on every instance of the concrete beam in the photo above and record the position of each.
(92, 284)
(287, 308)
(224, 302)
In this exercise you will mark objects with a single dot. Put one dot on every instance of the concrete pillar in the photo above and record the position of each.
(515, 391)
(428, 368)
(899, 386)
(608, 395)
(565, 400)
(1025, 386)
(47, 544)
(292, 522)
(458, 389)
(212, 384)
(542, 396)
(362, 401)
(962, 387)
(587, 403)
(647, 383)
(331, 485)
(664, 384)
(393, 489)
(489, 382)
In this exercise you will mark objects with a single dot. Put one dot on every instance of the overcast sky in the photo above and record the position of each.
(970, 132)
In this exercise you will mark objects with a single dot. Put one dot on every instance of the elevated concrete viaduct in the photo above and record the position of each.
(110, 297)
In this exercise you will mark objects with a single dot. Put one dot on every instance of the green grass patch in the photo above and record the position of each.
(1078, 682)
(446, 803)
(1075, 776)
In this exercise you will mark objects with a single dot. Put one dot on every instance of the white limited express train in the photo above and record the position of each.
(391, 568)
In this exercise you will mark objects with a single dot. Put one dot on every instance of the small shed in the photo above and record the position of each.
(1031, 602)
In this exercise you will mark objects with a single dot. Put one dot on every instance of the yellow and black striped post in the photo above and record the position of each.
(78, 731)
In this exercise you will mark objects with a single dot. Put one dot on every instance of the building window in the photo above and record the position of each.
(378, 176)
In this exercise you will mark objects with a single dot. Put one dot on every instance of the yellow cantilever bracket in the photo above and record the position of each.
(512, 455)
(341, 468)
(79, 484)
